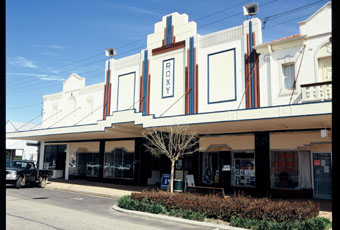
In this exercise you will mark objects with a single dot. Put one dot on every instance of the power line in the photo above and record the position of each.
(49, 86)
(29, 122)
(294, 19)
(128, 44)
(141, 47)
(138, 48)
(195, 19)
(197, 41)
(278, 15)
(265, 20)
(67, 65)
(272, 16)
(47, 119)
(87, 64)
(24, 107)
(45, 82)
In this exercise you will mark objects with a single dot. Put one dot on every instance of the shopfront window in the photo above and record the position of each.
(77, 163)
(54, 157)
(284, 169)
(92, 165)
(84, 159)
(243, 169)
(50, 157)
(118, 164)
(8, 156)
(210, 168)
(119, 159)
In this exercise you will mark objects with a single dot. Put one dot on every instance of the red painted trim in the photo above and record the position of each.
(141, 95)
(164, 40)
(171, 47)
(104, 114)
(105, 95)
(142, 89)
(196, 90)
(173, 36)
(248, 74)
(256, 76)
(257, 81)
(186, 90)
(109, 94)
(147, 112)
(247, 80)
(188, 86)
(148, 95)
(109, 102)
(253, 39)
(195, 82)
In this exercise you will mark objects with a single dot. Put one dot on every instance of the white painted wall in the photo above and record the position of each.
(318, 23)
(227, 87)
(315, 33)
(126, 72)
(75, 95)
(158, 104)
(221, 91)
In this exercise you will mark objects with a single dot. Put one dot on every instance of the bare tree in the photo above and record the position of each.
(175, 142)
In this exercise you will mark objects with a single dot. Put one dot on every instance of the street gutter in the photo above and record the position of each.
(176, 219)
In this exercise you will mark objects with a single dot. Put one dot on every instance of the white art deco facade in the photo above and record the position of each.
(262, 110)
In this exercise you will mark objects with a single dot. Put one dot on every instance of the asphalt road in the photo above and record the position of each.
(36, 208)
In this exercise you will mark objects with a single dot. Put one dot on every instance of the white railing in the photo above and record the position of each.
(318, 91)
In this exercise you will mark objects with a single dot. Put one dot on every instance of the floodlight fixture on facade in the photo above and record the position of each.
(110, 52)
(251, 9)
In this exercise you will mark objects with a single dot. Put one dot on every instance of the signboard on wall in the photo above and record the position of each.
(168, 78)
(226, 168)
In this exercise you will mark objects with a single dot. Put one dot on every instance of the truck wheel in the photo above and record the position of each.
(20, 182)
(42, 182)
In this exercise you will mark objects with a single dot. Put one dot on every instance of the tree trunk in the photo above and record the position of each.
(171, 184)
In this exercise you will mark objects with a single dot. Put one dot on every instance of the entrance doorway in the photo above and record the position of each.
(55, 159)
(322, 168)
(216, 169)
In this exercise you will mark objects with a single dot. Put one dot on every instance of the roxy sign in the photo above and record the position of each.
(168, 78)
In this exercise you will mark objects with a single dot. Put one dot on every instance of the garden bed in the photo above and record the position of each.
(238, 210)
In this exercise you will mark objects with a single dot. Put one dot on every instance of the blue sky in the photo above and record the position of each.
(46, 41)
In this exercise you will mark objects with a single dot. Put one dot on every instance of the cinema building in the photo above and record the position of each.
(263, 111)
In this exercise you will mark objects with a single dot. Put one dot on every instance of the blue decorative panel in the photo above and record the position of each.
(168, 30)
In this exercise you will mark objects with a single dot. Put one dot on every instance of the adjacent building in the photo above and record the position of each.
(21, 149)
(263, 111)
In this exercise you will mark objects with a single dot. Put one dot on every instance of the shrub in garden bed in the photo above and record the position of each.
(143, 205)
(187, 214)
(127, 202)
(238, 206)
(314, 223)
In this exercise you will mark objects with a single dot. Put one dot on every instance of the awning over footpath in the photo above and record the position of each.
(129, 124)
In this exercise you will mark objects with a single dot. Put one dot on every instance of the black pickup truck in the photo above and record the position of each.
(22, 172)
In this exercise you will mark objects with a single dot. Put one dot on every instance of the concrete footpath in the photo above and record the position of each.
(115, 191)
(93, 188)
